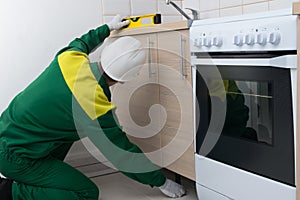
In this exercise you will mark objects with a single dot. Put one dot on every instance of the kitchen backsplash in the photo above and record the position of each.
(207, 8)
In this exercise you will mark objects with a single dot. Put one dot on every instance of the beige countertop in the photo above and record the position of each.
(296, 8)
(180, 25)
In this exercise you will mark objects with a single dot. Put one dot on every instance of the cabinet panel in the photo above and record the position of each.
(173, 47)
(136, 99)
(149, 42)
(170, 77)
(179, 110)
(185, 164)
(178, 152)
(140, 118)
(165, 80)
(176, 97)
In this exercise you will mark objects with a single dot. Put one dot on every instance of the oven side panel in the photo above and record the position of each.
(297, 147)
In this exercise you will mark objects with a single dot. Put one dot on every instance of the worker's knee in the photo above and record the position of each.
(92, 192)
(95, 191)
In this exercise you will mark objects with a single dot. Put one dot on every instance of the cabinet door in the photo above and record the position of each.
(176, 97)
(136, 100)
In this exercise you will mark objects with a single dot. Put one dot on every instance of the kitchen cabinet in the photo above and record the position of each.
(176, 97)
(155, 110)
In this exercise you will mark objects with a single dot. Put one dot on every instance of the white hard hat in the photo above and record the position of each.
(122, 59)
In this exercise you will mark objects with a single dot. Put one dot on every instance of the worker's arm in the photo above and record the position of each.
(91, 40)
(124, 155)
(74, 64)
(127, 157)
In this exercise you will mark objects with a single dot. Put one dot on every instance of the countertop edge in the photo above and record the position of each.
(180, 25)
(296, 8)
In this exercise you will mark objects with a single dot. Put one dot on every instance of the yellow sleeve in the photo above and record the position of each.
(75, 68)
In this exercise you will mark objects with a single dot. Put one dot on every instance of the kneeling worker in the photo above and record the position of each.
(62, 106)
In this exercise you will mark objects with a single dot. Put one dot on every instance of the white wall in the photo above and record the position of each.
(207, 8)
(140, 7)
(31, 33)
(222, 8)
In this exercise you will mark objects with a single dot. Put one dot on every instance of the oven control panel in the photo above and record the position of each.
(270, 33)
(256, 37)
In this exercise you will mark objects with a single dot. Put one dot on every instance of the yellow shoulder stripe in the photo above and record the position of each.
(83, 84)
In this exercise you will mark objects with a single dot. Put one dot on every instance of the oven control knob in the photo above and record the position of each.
(249, 39)
(207, 42)
(198, 42)
(217, 41)
(262, 39)
(238, 40)
(274, 38)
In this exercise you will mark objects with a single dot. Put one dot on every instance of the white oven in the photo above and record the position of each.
(244, 86)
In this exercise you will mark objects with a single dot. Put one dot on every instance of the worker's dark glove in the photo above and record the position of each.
(172, 189)
(117, 23)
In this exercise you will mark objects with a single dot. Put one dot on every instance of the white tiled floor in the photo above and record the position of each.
(116, 186)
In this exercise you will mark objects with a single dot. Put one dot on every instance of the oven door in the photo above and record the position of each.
(257, 132)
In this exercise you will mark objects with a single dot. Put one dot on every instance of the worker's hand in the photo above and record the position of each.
(117, 23)
(172, 189)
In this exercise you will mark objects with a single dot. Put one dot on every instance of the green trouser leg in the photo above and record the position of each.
(47, 179)
(62, 151)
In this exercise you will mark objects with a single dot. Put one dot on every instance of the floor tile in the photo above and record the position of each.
(116, 186)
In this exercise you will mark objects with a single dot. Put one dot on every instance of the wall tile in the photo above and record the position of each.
(101, 12)
(142, 7)
(230, 3)
(107, 18)
(206, 5)
(210, 14)
(257, 7)
(165, 9)
(166, 19)
(252, 1)
(207, 8)
(231, 11)
(109, 7)
(194, 4)
(280, 4)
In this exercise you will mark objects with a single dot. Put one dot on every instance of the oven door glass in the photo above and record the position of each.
(257, 135)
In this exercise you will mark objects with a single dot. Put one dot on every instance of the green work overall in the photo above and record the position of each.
(68, 101)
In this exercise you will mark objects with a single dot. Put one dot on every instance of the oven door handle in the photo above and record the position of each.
(286, 61)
